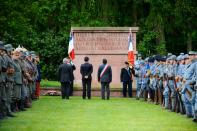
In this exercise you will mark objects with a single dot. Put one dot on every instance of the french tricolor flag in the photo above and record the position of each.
(130, 50)
(71, 52)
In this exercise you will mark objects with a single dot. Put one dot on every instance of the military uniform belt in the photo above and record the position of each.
(170, 78)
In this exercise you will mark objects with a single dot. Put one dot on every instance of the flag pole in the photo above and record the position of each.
(71, 53)
(130, 30)
(130, 50)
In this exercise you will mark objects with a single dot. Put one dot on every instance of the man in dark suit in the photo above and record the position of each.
(105, 77)
(86, 71)
(72, 78)
(65, 77)
(126, 79)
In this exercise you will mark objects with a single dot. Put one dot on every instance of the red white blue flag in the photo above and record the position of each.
(130, 50)
(71, 52)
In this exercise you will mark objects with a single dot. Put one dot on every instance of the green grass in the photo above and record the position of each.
(53, 84)
(56, 85)
(46, 83)
(117, 114)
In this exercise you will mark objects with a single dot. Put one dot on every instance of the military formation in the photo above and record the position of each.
(19, 75)
(170, 81)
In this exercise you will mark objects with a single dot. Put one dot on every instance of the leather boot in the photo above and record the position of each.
(27, 103)
(16, 108)
(9, 114)
(21, 105)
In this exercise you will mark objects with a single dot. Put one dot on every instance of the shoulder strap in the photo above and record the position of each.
(128, 71)
(104, 70)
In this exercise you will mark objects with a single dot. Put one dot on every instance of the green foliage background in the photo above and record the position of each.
(44, 25)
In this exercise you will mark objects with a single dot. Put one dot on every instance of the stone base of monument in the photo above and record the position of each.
(95, 92)
(115, 91)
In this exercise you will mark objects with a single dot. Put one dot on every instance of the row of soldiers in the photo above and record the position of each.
(18, 75)
(169, 80)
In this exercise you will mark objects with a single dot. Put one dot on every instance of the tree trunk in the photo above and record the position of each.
(189, 42)
(161, 35)
(134, 14)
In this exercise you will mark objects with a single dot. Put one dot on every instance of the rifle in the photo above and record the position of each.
(169, 93)
(178, 96)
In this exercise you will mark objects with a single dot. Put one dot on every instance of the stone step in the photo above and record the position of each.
(114, 92)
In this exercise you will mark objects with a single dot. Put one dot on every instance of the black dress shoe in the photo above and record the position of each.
(194, 120)
(1, 117)
(10, 115)
(22, 109)
(189, 116)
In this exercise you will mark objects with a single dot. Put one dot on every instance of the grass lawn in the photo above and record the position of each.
(53, 84)
(116, 114)
(46, 83)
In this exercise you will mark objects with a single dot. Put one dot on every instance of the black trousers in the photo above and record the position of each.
(105, 87)
(86, 88)
(65, 89)
(151, 93)
(181, 105)
(124, 89)
(156, 96)
(161, 95)
(71, 88)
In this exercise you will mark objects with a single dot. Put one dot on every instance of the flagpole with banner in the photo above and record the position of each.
(71, 52)
(130, 49)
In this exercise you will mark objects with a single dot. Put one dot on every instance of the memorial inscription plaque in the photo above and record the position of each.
(102, 42)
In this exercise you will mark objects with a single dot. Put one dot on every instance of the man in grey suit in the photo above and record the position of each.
(105, 77)
(65, 77)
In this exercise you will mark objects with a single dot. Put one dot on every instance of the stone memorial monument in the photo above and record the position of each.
(102, 42)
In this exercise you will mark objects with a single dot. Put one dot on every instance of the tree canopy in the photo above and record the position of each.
(44, 25)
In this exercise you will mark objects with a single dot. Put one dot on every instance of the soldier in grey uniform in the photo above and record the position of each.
(35, 73)
(137, 75)
(184, 95)
(32, 72)
(156, 79)
(9, 79)
(171, 81)
(166, 92)
(151, 81)
(2, 82)
(26, 80)
(6, 73)
(179, 83)
(24, 89)
(145, 73)
(18, 80)
(188, 89)
(195, 88)
(161, 69)
(190, 84)
(29, 75)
